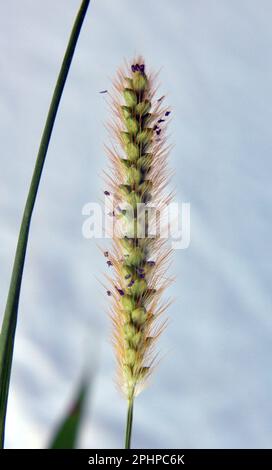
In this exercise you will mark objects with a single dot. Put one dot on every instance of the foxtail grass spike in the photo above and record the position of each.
(137, 181)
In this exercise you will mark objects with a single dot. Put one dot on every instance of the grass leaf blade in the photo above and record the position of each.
(67, 433)
(7, 335)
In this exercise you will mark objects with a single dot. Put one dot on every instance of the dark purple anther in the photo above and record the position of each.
(158, 131)
(167, 113)
(155, 127)
(131, 283)
(161, 120)
(142, 68)
(109, 293)
(142, 276)
(109, 263)
(133, 68)
(137, 67)
(106, 193)
(121, 292)
(106, 254)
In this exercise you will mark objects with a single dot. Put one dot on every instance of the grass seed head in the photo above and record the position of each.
(138, 175)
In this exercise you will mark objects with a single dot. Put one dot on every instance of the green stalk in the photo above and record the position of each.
(7, 336)
(129, 424)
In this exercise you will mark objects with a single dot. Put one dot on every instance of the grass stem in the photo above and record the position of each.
(129, 424)
(11, 312)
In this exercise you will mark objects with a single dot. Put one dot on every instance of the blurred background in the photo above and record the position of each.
(213, 388)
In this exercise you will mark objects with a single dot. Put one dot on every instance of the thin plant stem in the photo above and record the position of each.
(11, 312)
(129, 424)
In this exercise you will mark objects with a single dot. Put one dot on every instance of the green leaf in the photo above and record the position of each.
(8, 330)
(67, 433)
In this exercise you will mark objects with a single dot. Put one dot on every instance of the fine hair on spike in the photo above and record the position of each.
(138, 175)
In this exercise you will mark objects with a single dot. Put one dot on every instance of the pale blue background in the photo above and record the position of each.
(214, 386)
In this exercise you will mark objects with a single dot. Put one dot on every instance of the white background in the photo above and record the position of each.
(214, 385)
